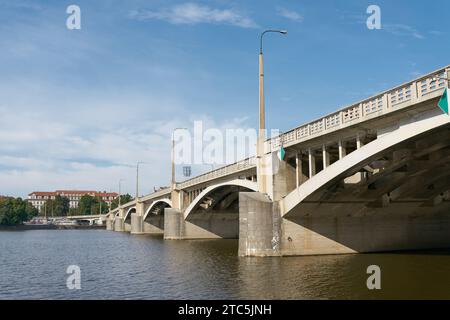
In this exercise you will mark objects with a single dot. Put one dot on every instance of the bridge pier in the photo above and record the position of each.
(173, 224)
(259, 229)
(339, 229)
(137, 219)
(109, 224)
(119, 225)
(136, 223)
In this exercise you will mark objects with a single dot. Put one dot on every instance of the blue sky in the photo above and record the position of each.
(78, 108)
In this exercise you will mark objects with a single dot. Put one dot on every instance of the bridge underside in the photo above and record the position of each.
(215, 216)
(399, 200)
(153, 222)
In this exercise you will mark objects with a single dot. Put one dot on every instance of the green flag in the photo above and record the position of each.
(281, 153)
(443, 103)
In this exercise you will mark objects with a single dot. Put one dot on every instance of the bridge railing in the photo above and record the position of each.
(156, 194)
(220, 172)
(385, 102)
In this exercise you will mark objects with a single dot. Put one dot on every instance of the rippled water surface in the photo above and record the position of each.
(121, 266)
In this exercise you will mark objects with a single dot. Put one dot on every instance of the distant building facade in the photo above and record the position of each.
(39, 198)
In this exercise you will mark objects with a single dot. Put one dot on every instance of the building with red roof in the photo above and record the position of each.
(39, 198)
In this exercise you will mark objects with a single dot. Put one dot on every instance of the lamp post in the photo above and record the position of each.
(137, 179)
(262, 122)
(173, 180)
(119, 192)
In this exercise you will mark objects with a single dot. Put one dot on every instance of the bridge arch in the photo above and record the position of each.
(246, 184)
(128, 214)
(164, 203)
(353, 162)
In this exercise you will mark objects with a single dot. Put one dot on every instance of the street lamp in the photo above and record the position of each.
(262, 122)
(137, 178)
(173, 156)
(119, 191)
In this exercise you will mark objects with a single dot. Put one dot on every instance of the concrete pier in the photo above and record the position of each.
(119, 225)
(136, 223)
(259, 229)
(173, 224)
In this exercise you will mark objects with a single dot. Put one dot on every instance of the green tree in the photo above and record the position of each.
(73, 212)
(99, 205)
(123, 199)
(15, 211)
(85, 205)
(48, 208)
(61, 206)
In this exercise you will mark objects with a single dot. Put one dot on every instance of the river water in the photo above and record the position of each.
(113, 265)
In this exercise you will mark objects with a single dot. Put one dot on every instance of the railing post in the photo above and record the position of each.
(386, 102)
(414, 92)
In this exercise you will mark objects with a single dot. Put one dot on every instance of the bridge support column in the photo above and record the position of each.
(325, 157)
(342, 149)
(259, 225)
(119, 225)
(137, 223)
(109, 224)
(173, 224)
(312, 163)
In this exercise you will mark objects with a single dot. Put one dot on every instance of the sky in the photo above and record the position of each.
(79, 108)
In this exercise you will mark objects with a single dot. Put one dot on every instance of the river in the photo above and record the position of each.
(113, 265)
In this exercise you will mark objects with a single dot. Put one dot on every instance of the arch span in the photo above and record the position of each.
(165, 202)
(253, 186)
(361, 157)
(128, 214)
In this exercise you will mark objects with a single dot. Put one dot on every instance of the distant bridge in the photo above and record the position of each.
(373, 176)
(90, 218)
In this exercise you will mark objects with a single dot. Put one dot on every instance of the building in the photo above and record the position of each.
(38, 198)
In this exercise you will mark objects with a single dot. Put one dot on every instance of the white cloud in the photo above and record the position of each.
(289, 14)
(192, 13)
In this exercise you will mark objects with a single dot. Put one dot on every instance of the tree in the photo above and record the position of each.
(61, 206)
(16, 211)
(100, 205)
(85, 205)
(73, 212)
(123, 199)
(48, 208)
(91, 205)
